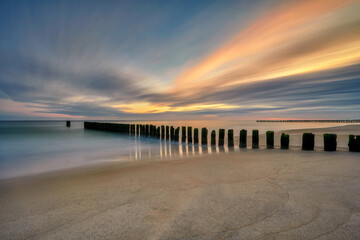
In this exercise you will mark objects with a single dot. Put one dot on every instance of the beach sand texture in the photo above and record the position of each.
(263, 194)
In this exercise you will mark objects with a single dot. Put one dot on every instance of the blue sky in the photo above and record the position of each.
(179, 59)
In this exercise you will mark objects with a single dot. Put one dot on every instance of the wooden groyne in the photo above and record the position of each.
(191, 136)
(312, 121)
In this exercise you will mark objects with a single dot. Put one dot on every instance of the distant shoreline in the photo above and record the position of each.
(304, 121)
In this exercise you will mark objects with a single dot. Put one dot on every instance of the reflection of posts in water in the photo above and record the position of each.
(213, 148)
(204, 149)
(190, 149)
(196, 148)
(184, 149)
(196, 135)
(175, 149)
(189, 133)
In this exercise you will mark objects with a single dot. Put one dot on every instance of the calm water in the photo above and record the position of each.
(31, 147)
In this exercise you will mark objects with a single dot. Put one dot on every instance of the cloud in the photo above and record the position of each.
(132, 60)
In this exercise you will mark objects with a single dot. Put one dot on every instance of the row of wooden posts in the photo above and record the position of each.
(173, 134)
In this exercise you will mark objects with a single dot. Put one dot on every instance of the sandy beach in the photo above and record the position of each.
(251, 194)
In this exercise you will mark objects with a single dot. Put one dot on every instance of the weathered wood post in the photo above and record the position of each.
(147, 130)
(189, 134)
(154, 131)
(330, 142)
(158, 132)
(255, 139)
(230, 138)
(221, 137)
(138, 129)
(167, 133)
(196, 136)
(243, 138)
(308, 141)
(162, 132)
(68, 123)
(354, 143)
(284, 141)
(270, 139)
(151, 130)
(213, 138)
(204, 133)
(172, 133)
(177, 133)
(183, 134)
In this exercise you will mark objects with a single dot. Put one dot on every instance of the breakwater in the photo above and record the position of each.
(217, 137)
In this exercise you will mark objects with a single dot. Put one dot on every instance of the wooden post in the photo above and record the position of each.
(154, 131)
(243, 139)
(147, 130)
(172, 133)
(162, 132)
(230, 138)
(167, 133)
(255, 139)
(284, 141)
(177, 133)
(270, 139)
(183, 134)
(221, 137)
(68, 123)
(204, 133)
(196, 136)
(213, 138)
(308, 141)
(354, 143)
(330, 142)
(189, 133)
(138, 129)
(158, 132)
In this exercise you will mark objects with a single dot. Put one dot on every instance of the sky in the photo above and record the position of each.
(172, 60)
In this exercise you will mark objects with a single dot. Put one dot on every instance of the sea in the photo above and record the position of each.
(32, 147)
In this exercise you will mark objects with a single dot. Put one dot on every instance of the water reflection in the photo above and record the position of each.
(145, 148)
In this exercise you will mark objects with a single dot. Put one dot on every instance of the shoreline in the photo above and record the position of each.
(248, 195)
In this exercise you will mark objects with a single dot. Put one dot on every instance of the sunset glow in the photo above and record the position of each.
(230, 59)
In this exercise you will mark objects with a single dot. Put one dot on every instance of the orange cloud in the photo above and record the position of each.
(257, 53)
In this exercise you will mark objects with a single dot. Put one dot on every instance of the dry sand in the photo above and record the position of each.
(251, 194)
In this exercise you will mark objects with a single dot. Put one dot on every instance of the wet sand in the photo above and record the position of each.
(251, 194)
